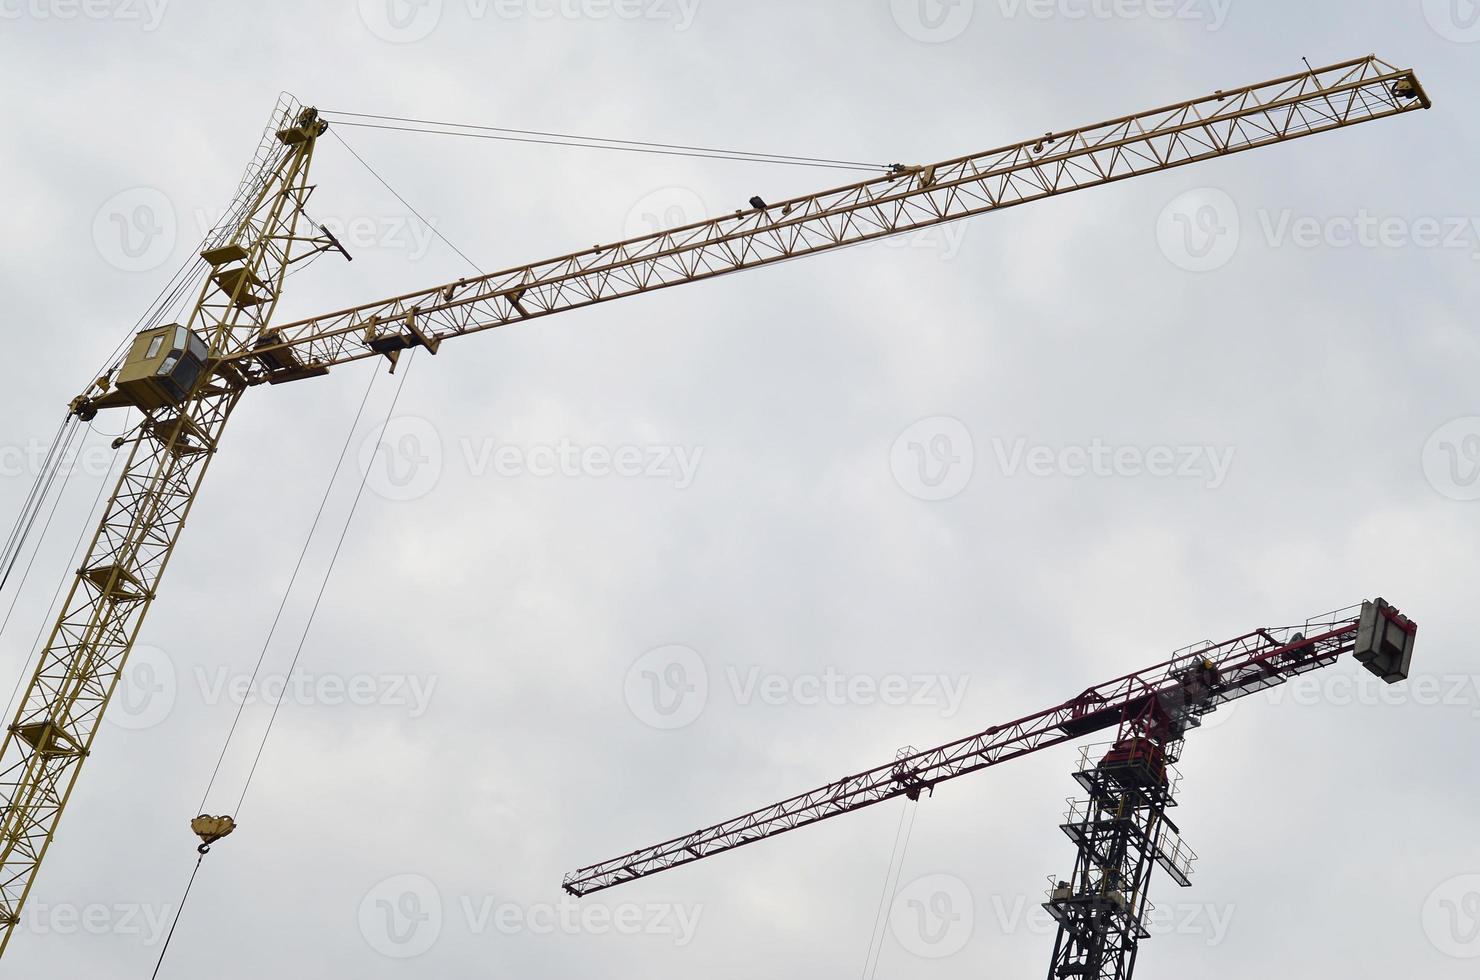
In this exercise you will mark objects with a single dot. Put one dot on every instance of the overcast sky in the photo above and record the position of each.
(842, 479)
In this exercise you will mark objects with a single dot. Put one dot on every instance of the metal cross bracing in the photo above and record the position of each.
(230, 343)
(1121, 833)
(1160, 702)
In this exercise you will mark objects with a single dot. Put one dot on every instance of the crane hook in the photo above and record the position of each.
(211, 829)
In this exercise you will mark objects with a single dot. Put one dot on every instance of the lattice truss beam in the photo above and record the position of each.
(912, 198)
(113, 588)
(1242, 666)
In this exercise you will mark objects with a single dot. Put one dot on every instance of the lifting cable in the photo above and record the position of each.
(55, 461)
(212, 828)
(375, 121)
(51, 609)
(287, 592)
(891, 884)
(40, 540)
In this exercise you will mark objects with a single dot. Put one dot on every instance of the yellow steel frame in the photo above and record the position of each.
(79, 668)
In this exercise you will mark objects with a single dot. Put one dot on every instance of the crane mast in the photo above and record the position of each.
(117, 581)
(1121, 830)
(187, 378)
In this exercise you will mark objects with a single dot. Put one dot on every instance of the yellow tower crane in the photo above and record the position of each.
(187, 378)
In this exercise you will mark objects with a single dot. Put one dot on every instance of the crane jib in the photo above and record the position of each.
(1164, 701)
(910, 198)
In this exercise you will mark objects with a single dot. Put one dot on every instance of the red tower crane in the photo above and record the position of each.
(1121, 830)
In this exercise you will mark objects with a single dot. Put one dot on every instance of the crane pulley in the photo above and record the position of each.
(187, 378)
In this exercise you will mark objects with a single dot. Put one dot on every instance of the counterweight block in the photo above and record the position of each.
(1385, 641)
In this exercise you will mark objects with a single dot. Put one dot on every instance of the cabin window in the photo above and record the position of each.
(154, 346)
